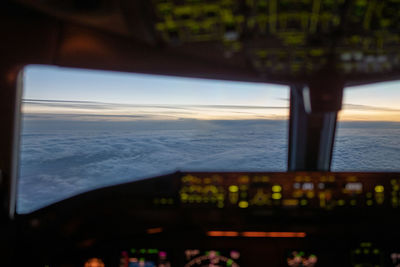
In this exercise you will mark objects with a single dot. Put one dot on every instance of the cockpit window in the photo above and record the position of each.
(87, 129)
(368, 129)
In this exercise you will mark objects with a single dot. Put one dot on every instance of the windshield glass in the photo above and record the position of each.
(87, 129)
(368, 129)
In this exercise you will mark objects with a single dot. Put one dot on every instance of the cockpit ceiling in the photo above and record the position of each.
(282, 40)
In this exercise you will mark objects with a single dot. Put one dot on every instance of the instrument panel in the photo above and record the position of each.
(316, 191)
(223, 219)
(286, 39)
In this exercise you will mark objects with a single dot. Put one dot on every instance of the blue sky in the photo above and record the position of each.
(125, 92)
(55, 83)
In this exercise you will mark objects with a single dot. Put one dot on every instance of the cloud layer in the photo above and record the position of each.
(60, 159)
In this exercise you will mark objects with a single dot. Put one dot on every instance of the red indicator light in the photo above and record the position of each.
(154, 230)
(256, 234)
(274, 234)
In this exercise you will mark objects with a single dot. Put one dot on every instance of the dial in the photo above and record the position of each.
(212, 259)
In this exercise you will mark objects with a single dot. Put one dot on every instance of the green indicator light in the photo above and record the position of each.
(152, 251)
(229, 262)
(142, 251)
(133, 250)
(366, 244)
(142, 259)
(276, 188)
(233, 188)
(303, 202)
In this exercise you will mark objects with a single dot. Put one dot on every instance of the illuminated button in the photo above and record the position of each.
(379, 188)
(233, 188)
(94, 262)
(243, 204)
(276, 195)
(276, 188)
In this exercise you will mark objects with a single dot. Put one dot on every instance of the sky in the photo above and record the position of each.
(76, 94)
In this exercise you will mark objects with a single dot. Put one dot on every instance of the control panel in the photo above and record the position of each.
(324, 191)
(286, 37)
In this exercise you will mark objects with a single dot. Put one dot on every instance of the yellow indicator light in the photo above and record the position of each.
(244, 179)
(243, 204)
(290, 202)
(220, 205)
(379, 188)
(276, 196)
(265, 179)
(303, 202)
(310, 194)
(233, 188)
(341, 202)
(276, 188)
(366, 244)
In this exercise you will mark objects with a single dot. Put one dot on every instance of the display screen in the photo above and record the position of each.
(198, 258)
(144, 257)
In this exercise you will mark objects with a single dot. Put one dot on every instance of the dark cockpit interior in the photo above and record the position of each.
(307, 216)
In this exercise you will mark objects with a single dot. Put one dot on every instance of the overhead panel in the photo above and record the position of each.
(286, 39)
